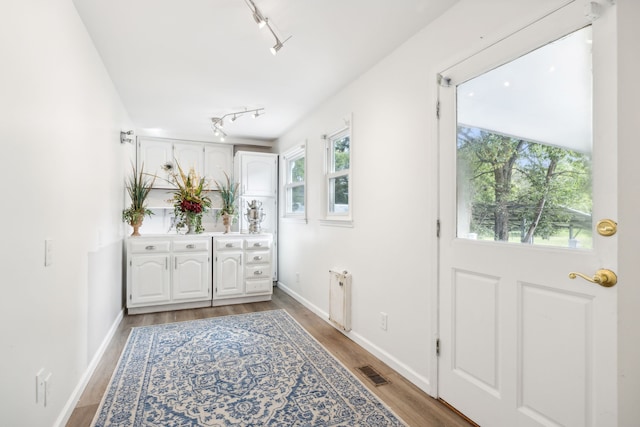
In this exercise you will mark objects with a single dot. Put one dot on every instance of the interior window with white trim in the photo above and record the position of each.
(338, 177)
(294, 178)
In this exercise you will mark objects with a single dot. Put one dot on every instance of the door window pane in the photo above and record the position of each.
(524, 148)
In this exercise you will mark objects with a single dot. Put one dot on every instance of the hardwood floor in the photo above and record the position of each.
(415, 407)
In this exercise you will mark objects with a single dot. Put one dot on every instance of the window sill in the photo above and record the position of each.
(294, 220)
(348, 223)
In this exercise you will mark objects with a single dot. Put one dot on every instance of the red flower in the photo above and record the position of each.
(187, 206)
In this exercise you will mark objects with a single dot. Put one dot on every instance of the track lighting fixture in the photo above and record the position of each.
(263, 21)
(218, 122)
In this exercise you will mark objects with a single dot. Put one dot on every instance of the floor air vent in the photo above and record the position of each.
(373, 375)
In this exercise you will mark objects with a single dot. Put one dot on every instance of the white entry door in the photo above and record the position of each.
(527, 158)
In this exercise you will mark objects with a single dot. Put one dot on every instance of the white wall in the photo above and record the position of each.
(61, 179)
(391, 250)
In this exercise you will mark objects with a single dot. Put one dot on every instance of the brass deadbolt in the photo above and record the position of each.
(607, 227)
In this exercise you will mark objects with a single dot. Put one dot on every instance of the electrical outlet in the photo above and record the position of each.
(383, 321)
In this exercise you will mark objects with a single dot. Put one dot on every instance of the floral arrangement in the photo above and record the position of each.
(138, 186)
(189, 199)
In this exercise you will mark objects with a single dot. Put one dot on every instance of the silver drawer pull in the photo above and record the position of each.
(229, 245)
(257, 258)
(257, 244)
(257, 272)
(191, 246)
(150, 248)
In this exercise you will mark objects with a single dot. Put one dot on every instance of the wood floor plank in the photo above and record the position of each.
(414, 406)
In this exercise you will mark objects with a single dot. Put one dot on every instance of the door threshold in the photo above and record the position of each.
(453, 409)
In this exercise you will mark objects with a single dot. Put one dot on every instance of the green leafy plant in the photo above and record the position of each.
(138, 186)
(189, 200)
(228, 194)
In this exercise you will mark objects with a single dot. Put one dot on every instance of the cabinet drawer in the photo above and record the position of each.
(191, 245)
(258, 286)
(258, 257)
(257, 243)
(149, 246)
(257, 271)
(228, 244)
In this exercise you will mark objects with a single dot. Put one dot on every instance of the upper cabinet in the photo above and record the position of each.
(257, 173)
(218, 160)
(189, 155)
(208, 159)
(153, 155)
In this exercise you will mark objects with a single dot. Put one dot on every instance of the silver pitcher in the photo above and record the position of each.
(255, 216)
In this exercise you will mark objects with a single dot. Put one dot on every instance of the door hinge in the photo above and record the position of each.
(438, 347)
(130, 263)
(438, 110)
(438, 228)
(130, 298)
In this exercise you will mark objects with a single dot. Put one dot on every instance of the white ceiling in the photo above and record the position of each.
(178, 63)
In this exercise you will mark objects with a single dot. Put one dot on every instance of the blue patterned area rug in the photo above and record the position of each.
(256, 369)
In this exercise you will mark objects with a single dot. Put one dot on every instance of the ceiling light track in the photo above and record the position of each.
(262, 22)
(218, 122)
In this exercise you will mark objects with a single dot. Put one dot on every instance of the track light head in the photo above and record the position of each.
(276, 48)
(260, 20)
(234, 118)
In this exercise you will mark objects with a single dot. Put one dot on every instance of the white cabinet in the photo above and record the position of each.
(242, 268)
(257, 174)
(153, 155)
(228, 278)
(218, 160)
(208, 159)
(168, 273)
(189, 155)
(151, 275)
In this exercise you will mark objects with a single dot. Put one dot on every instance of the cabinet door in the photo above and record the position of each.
(259, 174)
(153, 155)
(191, 277)
(188, 156)
(228, 274)
(149, 280)
(218, 159)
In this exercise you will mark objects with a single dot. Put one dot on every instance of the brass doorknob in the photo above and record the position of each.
(603, 277)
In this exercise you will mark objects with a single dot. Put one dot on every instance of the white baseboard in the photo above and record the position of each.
(420, 381)
(66, 412)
